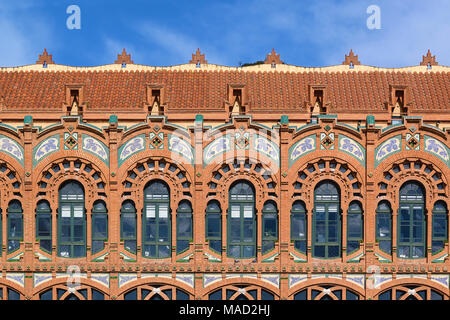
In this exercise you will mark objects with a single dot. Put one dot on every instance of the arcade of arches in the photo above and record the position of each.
(156, 203)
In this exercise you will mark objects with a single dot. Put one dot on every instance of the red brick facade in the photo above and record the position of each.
(279, 143)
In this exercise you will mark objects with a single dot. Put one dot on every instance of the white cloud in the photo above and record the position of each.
(21, 36)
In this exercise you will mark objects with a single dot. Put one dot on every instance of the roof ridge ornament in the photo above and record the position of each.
(123, 58)
(429, 60)
(45, 58)
(351, 59)
(198, 58)
(273, 58)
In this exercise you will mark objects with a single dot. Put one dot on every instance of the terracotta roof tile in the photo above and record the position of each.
(200, 90)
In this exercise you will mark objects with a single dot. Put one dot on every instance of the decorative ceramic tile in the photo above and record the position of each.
(70, 141)
(132, 146)
(156, 140)
(39, 278)
(186, 278)
(17, 278)
(273, 279)
(216, 148)
(442, 279)
(357, 279)
(12, 148)
(45, 148)
(387, 148)
(267, 147)
(353, 148)
(295, 279)
(302, 147)
(437, 148)
(209, 279)
(125, 278)
(271, 258)
(181, 147)
(96, 147)
(412, 141)
(102, 278)
(242, 140)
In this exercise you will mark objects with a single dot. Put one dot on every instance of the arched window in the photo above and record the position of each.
(269, 226)
(213, 226)
(156, 223)
(354, 226)
(15, 225)
(128, 225)
(184, 226)
(326, 221)
(384, 227)
(298, 226)
(241, 221)
(99, 226)
(411, 221)
(71, 221)
(44, 225)
(439, 232)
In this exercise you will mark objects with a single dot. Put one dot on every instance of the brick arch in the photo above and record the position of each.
(135, 177)
(233, 282)
(311, 179)
(83, 175)
(391, 176)
(421, 283)
(154, 281)
(252, 174)
(12, 285)
(60, 283)
(11, 185)
(316, 283)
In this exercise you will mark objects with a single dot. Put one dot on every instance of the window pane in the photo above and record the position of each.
(163, 231)
(403, 251)
(235, 251)
(213, 225)
(270, 226)
(320, 232)
(248, 211)
(150, 210)
(319, 251)
(249, 251)
(184, 225)
(354, 225)
(44, 225)
(100, 226)
(164, 251)
(163, 211)
(128, 225)
(248, 231)
(333, 251)
(235, 230)
(235, 211)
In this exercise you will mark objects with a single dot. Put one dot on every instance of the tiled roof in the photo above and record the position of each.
(207, 89)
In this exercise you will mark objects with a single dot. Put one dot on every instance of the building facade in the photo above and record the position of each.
(199, 181)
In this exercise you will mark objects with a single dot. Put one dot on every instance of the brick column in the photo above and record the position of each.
(285, 205)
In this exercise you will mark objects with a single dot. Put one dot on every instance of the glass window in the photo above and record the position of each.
(326, 239)
(269, 226)
(213, 226)
(411, 221)
(99, 226)
(298, 226)
(15, 225)
(71, 221)
(156, 222)
(241, 221)
(384, 227)
(44, 225)
(354, 226)
(440, 223)
(184, 226)
(128, 225)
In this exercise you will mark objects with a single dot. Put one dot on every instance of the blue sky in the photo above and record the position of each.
(167, 32)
